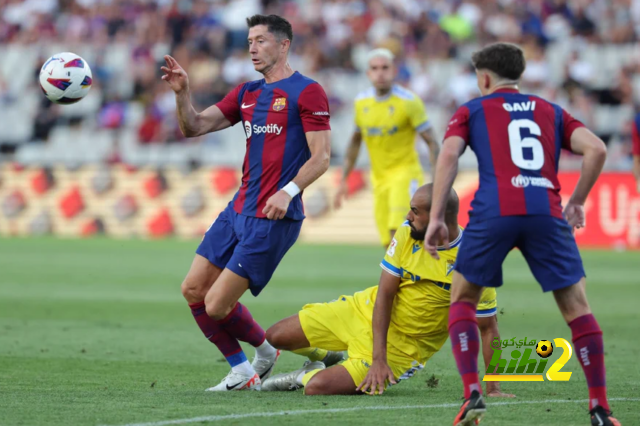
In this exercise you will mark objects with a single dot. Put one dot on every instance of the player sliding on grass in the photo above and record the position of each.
(286, 122)
(517, 139)
(389, 330)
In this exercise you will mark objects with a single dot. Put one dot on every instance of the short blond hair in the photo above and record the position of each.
(380, 53)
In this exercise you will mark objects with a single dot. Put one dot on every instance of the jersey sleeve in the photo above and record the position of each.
(459, 125)
(392, 261)
(230, 106)
(635, 135)
(314, 108)
(569, 124)
(357, 116)
(418, 115)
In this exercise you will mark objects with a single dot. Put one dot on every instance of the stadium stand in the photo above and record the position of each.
(582, 55)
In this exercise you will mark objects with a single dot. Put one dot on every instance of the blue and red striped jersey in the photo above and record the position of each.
(635, 132)
(517, 139)
(276, 117)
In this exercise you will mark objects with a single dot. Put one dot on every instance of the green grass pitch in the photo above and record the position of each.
(95, 332)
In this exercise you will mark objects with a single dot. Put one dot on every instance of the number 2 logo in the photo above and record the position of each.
(517, 144)
(554, 373)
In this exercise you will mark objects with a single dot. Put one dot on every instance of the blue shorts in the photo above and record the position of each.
(546, 243)
(251, 247)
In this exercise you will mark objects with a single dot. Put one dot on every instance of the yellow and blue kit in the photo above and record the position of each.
(388, 126)
(419, 316)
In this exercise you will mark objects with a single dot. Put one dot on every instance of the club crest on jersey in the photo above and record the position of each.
(279, 104)
(450, 264)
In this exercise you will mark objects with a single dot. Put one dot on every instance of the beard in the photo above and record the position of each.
(418, 234)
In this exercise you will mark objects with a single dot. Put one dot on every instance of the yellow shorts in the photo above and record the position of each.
(391, 202)
(341, 326)
(488, 304)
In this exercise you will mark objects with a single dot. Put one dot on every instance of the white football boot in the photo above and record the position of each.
(264, 366)
(237, 381)
(289, 381)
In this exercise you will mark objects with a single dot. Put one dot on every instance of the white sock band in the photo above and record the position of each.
(292, 189)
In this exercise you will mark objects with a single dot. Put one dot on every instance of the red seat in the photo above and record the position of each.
(160, 225)
(72, 203)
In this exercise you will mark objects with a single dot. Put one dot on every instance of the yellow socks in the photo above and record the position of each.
(314, 354)
(307, 376)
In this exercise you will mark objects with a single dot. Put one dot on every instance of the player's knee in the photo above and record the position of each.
(192, 291)
(317, 386)
(276, 337)
(216, 311)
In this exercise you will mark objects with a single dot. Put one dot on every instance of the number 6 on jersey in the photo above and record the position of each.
(518, 143)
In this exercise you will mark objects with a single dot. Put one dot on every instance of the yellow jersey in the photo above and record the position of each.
(388, 126)
(420, 309)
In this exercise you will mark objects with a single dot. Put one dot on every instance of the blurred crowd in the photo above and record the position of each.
(208, 38)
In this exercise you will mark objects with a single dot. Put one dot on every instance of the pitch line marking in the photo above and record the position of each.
(347, 410)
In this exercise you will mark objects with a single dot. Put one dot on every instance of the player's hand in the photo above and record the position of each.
(436, 231)
(493, 391)
(343, 190)
(574, 213)
(377, 376)
(175, 75)
(277, 205)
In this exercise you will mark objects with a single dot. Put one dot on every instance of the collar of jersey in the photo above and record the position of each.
(385, 97)
(454, 243)
(506, 90)
(264, 81)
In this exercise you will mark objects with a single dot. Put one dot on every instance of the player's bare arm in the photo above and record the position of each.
(192, 123)
(488, 332)
(446, 172)
(429, 136)
(380, 371)
(636, 170)
(594, 153)
(320, 146)
(350, 159)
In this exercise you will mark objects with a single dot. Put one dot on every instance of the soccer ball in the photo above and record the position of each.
(544, 348)
(65, 78)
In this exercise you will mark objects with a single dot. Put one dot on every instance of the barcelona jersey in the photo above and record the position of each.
(517, 139)
(275, 117)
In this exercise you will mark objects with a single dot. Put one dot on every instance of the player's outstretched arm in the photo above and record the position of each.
(320, 146)
(192, 123)
(429, 137)
(594, 153)
(446, 171)
(350, 159)
(488, 333)
(380, 371)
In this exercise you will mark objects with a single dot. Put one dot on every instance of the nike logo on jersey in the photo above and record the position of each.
(247, 106)
(415, 248)
(234, 386)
